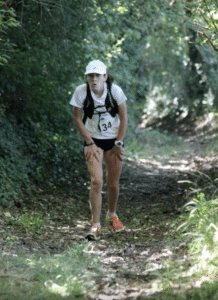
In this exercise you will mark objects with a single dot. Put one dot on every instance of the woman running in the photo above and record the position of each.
(103, 127)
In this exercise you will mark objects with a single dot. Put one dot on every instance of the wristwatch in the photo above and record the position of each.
(90, 144)
(119, 144)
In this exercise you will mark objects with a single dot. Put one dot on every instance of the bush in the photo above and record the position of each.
(30, 155)
(59, 156)
(202, 220)
(15, 162)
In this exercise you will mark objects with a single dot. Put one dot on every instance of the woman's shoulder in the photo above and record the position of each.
(79, 96)
(117, 92)
(115, 86)
(81, 88)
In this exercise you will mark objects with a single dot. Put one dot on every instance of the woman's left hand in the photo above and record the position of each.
(118, 152)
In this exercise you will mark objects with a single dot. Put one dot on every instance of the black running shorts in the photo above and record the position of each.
(105, 145)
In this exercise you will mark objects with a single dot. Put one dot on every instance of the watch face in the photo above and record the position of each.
(118, 144)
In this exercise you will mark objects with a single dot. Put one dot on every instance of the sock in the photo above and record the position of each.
(96, 224)
(111, 213)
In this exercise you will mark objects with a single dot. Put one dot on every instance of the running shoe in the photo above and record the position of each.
(93, 234)
(114, 223)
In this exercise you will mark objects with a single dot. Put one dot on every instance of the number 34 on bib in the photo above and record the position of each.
(106, 126)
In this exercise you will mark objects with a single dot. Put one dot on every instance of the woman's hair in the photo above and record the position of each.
(110, 79)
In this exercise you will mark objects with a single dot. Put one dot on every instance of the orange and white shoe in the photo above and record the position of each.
(93, 234)
(114, 223)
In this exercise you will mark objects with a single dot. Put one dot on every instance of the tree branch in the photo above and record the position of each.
(208, 39)
(199, 25)
(212, 19)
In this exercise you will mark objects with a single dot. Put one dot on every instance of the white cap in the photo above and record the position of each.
(96, 66)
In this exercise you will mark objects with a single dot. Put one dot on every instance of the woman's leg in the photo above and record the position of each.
(114, 167)
(96, 177)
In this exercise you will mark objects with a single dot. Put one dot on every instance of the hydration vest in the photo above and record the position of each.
(110, 105)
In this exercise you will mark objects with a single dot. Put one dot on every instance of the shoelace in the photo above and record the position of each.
(96, 228)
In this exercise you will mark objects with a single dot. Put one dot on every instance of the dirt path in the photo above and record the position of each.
(151, 197)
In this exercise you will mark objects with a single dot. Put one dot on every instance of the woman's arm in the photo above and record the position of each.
(77, 113)
(123, 121)
(119, 151)
(91, 151)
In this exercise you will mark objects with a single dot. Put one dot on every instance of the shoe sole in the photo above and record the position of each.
(118, 230)
(91, 237)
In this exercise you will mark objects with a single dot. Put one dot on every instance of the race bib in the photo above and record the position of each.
(106, 122)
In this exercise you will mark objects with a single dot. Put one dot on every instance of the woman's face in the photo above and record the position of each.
(96, 82)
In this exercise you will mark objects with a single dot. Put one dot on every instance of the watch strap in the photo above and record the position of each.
(90, 144)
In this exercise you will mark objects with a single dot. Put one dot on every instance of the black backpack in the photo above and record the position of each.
(110, 104)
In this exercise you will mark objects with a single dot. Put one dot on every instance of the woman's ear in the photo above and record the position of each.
(105, 77)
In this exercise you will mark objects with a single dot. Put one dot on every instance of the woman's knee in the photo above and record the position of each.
(96, 183)
(113, 186)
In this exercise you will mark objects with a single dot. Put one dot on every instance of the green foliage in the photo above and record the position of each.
(31, 155)
(16, 160)
(197, 240)
(29, 222)
(151, 48)
(58, 157)
(69, 275)
(204, 15)
(202, 220)
(7, 21)
(153, 144)
(34, 93)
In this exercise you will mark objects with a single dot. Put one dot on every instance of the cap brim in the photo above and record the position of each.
(86, 73)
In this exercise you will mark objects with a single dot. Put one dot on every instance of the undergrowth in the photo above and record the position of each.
(196, 274)
(28, 221)
(67, 275)
(31, 155)
(153, 144)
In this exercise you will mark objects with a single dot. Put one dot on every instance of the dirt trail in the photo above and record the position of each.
(151, 196)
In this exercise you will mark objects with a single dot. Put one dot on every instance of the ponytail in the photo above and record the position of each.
(110, 79)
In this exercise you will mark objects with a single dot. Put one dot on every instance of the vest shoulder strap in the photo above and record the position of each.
(110, 103)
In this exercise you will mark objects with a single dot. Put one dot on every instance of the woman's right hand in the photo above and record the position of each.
(92, 151)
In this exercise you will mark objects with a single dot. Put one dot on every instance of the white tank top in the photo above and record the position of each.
(101, 118)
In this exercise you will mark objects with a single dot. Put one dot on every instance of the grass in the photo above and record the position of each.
(196, 276)
(190, 270)
(68, 275)
(211, 145)
(194, 235)
(154, 144)
(29, 221)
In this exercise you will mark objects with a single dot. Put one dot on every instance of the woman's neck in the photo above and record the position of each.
(98, 92)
